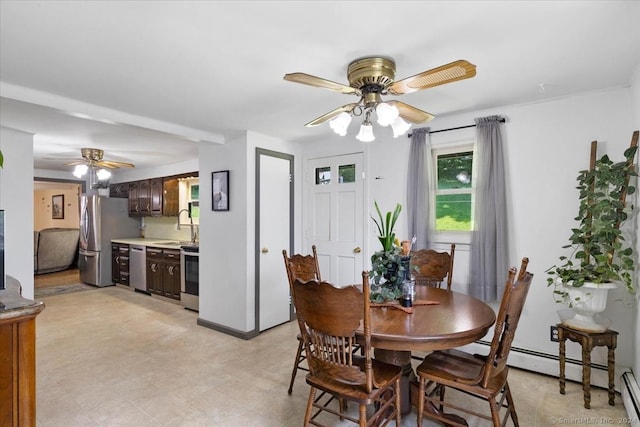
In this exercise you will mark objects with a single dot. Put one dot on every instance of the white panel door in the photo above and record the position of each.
(275, 201)
(334, 216)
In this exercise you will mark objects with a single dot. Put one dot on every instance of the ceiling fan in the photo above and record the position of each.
(373, 76)
(93, 158)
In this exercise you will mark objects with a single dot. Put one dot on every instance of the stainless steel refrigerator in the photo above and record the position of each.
(101, 220)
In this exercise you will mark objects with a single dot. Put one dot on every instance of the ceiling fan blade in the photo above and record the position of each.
(412, 114)
(114, 165)
(73, 163)
(457, 70)
(310, 80)
(331, 114)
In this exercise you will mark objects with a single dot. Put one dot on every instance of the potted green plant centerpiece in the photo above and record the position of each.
(601, 258)
(389, 264)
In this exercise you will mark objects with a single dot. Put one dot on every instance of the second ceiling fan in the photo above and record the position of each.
(370, 78)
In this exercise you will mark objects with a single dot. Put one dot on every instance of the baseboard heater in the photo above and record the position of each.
(631, 398)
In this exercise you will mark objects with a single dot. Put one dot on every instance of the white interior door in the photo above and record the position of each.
(274, 236)
(334, 222)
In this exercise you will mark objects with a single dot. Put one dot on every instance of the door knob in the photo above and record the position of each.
(357, 250)
(265, 250)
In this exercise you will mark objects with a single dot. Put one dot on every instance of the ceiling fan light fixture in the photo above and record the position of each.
(400, 127)
(341, 123)
(80, 170)
(103, 174)
(366, 132)
(373, 76)
(386, 113)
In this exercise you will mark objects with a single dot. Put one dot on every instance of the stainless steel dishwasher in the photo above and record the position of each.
(138, 267)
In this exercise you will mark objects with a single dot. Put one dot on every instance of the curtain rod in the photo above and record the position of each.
(501, 120)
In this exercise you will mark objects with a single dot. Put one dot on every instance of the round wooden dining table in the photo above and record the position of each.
(439, 319)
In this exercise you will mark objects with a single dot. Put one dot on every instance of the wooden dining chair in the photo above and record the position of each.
(484, 377)
(430, 268)
(304, 267)
(329, 318)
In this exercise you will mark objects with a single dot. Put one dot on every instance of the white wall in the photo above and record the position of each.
(16, 189)
(546, 144)
(227, 274)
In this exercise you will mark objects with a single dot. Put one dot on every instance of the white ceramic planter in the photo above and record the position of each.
(587, 302)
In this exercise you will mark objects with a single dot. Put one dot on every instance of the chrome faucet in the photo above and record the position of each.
(194, 234)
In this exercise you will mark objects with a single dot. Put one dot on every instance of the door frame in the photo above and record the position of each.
(290, 159)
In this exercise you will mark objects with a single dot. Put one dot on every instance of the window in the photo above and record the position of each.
(346, 173)
(323, 175)
(454, 188)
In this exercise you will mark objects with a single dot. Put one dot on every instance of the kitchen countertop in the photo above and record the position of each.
(13, 305)
(156, 243)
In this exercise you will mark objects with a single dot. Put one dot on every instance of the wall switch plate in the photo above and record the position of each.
(553, 333)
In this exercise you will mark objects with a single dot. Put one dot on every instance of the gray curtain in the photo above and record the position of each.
(489, 260)
(418, 187)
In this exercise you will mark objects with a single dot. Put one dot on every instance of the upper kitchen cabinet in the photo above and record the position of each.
(170, 197)
(145, 197)
(156, 190)
(164, 196)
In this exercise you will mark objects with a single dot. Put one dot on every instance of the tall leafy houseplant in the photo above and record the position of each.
(600, 253)
(387, 269)
(386, 225)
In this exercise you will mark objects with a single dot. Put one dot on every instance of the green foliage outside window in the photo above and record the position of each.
(453, 209)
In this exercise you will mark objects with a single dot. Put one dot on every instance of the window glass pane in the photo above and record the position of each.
(346, 173)
(323, 175)
(195, 192)
(195, 210)
(454, 170)
(453, 212)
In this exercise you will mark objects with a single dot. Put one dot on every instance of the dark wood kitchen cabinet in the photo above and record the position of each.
(154, 271)
(145, 197)
(163, 272)
(171, 273)
(120, 263)
(134, 199)
(156, 190)
(170, 197)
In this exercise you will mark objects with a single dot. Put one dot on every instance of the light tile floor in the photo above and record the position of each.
(112, 357)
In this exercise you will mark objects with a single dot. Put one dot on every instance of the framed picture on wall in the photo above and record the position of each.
(57, 206)
(220, 190)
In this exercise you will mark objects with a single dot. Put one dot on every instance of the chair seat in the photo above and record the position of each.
(461, 370)
(384, 374)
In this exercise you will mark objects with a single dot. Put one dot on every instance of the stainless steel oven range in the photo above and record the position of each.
(189, 279)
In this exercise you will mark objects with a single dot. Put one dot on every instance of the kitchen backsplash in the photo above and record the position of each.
(164, 227)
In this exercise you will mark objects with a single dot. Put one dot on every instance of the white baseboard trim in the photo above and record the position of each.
(631, 398)
(548, 364)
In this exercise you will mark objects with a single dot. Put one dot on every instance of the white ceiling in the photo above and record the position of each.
(153, 76)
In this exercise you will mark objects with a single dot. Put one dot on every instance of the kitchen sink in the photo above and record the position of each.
(176, 243)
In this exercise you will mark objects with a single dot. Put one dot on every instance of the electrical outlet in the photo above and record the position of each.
(553, 334)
